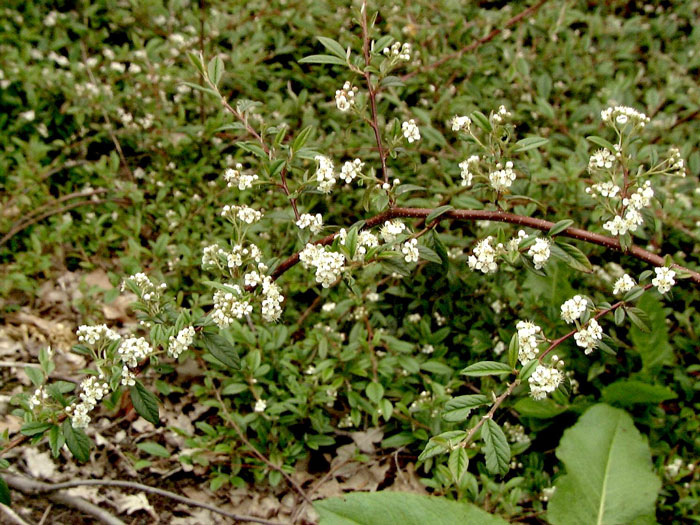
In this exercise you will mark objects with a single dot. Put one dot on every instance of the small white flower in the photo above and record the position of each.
(410, 251)
(260, 406)
(623, 285)
(588, 337)
(234, 177)
(461, 123)
(574, 308)
(467, 167)
(540, 252)
(345, 97)
(410, 131)
(313, 222)
(502, 178)
(181, 342)
(544, 380)
(664, 279)
(391, 230)
(350, 170)
(528, 333)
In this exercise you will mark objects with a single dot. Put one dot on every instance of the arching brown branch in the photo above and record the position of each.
(501, 216)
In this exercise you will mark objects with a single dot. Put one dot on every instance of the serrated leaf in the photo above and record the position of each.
(529, 143)
(560, 227)
(224, 352)
(496, 448)
(145, 403)
(627, 392)
(486, 368)
(34, 428)
(441, 443)
(323, 59)
(56, 440)
(458, 408)
(609, 477)
(78, 442)
(654, 347)
(437, 212)
(458, 463)
(388, 507)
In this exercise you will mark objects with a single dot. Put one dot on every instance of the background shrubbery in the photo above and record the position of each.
(93, 108)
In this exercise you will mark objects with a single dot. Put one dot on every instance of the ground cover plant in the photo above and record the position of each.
(280, 260)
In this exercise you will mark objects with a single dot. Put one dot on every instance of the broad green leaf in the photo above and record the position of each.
(5, 498)
(600, 141)
(155, 449)
(544, 409)
(609, 478)
(654, 347)
(529, 143)
(222, 350)
(560, 227)
(629, 392)
(215, 69)
(34, 428)
(323, 59)
(441, 443)
(427, 254)
(145, 403)
(35, 374)
(458, 463)
(56, 440)
(382, 508)
(496, 447)
(374, 392)
(78, 442)
(458, 408)
(332, 46)
(487, 368)
(480, 120)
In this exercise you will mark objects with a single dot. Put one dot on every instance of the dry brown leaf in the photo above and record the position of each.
(365, 440)
(39, 464)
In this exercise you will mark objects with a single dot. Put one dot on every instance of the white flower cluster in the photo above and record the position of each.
(180, 342)
(622, 115)
(632, 219)
(676, 162)
(91, 335)
(623, 285)
(461, 123)
(212, 255)
(527, 341)
(515, 433)
(410, 131)
(601, 159)
(604, 189)
(345, 97)
(391, 230)
(242, 213)
(234, 177)
(427, 349)
(540, 252)
(466, 167)
(410, 251)
(329, 265)
(350, 170)
(365, 239)
(546, 379)
(588, 337)
(484, 258)
(325, 175)
(574, 308)
(664, 279)
(93, 390)
(272, 300)
(313, 222)
(398, 50)
(133, 350)
(260, 406)
(501, 115)
(38, 397)
(128, 377)
(413, 318)
(229, 306)
(502, 178)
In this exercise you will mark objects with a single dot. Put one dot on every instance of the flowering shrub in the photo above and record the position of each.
(396, 266)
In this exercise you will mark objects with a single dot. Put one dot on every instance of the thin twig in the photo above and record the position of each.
(490, 413)
(229, 418)
(36, 487)
(13, 516)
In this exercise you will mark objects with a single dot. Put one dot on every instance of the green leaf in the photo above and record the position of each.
(530, 143)
(496, 448)
(427, 254)
(386, 507)
(5, 498)
(56, 440)
(145, 403)
(559, 227)
(599, 141)
(633, 294)
(35, 375)
(437, 212)
(458, 408)
(222, 350)
(458, 463)
(654, 348)
(629, 392)
(480, 120)
(609, 478)
(34, 428)
(575, 258)
(487, 368)
(215, 69)
(302, 137)
(544, 409)
(323, 59)
(513, 351)
(374, 392)
(441, 443)
(153, 448)
(332, 46)
(78, 442)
